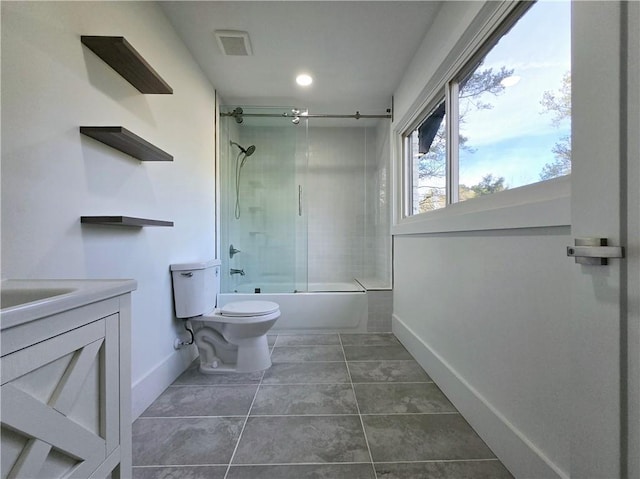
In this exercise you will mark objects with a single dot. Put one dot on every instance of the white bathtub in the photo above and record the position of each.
(327, 307)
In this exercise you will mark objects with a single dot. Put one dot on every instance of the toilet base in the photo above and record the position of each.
(217, 355)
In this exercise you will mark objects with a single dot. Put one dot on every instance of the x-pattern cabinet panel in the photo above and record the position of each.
(65, 406)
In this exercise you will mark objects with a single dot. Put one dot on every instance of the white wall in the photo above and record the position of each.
(51, 175)
(486, 311)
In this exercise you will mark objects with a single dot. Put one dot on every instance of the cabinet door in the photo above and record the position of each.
(59, 403)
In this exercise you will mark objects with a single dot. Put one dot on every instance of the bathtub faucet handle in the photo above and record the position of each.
(237, 271)
(233, 251)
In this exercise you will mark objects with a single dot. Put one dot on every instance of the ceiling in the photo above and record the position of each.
(356, 51)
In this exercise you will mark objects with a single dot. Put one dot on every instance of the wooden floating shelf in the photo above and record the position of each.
(118, 53)
(122, 221)
(127, 142)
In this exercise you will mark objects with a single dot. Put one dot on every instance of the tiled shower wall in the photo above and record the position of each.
(379, 210)
(336, 202)
(348, 209)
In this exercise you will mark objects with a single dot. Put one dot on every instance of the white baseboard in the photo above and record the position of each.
(147, 389)
(523, 459)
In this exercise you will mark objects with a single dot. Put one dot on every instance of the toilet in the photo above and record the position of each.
(232, 338)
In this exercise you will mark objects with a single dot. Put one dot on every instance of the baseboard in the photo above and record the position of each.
(516, 452)
(151, 385)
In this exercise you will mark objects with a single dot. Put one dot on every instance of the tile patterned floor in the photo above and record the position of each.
(332, 406)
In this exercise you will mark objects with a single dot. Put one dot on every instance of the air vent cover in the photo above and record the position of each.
(234, 42)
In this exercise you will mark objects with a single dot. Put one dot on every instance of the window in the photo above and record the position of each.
(426, 148)
(504, 120)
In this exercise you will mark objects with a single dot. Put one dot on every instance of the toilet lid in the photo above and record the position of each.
(249, 308)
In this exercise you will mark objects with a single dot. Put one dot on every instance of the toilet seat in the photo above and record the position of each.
(243, 312)
(243, 309)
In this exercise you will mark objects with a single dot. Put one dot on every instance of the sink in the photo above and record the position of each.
(15, 297)
(25, 300)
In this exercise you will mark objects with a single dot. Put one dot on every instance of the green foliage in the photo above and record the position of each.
(559, 103)
(481, 82)
(489, 185)
(433, 163)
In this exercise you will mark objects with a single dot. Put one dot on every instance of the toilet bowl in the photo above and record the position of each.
(232, 338)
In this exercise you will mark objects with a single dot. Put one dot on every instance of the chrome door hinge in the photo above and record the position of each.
(594, 251)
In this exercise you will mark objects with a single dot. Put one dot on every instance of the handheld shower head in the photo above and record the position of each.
(250, 150)
(247, 151)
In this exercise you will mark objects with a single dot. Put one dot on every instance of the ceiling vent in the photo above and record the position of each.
(234, 42)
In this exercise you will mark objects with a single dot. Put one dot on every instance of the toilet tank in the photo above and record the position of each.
(195, 287)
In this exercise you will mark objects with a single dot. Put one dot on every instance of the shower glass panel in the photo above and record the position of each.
(263, 221)
(304, 206)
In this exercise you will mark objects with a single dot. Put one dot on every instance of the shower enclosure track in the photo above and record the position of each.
(238, 114)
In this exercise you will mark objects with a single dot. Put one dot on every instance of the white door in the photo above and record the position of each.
(602, 417)
(633, 241)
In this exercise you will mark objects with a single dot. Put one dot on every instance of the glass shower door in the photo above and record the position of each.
(262, 192)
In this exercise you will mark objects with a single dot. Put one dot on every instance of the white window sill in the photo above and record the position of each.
(539, 205)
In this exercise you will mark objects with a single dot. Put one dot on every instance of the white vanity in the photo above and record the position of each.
(66, 378)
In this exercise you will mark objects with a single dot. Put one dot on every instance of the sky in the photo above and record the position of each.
(514, 138)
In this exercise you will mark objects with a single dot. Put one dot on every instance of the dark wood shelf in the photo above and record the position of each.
(127, 142)
(122, 221)
(118, 53)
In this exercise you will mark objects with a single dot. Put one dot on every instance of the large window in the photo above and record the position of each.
(504, 119)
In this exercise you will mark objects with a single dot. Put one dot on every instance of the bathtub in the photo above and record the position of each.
(324, 307)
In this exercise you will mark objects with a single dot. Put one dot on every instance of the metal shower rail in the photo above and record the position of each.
(239, 113)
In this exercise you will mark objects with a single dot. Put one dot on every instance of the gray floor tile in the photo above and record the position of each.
(184, 472)
(444, 470)
(175, 441)
(398, 398)
(323, 471)
(193, 376)
(423, 437)
(306, 373)
(307, 340)
(302, 439)
(387, 371)
(179, 401)
(373, 353)
(306, 353)
(305, 399)
(304, 421)
(370, 339)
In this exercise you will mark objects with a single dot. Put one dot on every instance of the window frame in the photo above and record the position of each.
(484, 32)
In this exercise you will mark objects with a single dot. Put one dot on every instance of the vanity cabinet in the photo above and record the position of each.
(65, 394)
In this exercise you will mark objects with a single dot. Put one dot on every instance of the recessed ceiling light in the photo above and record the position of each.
(304, 79)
